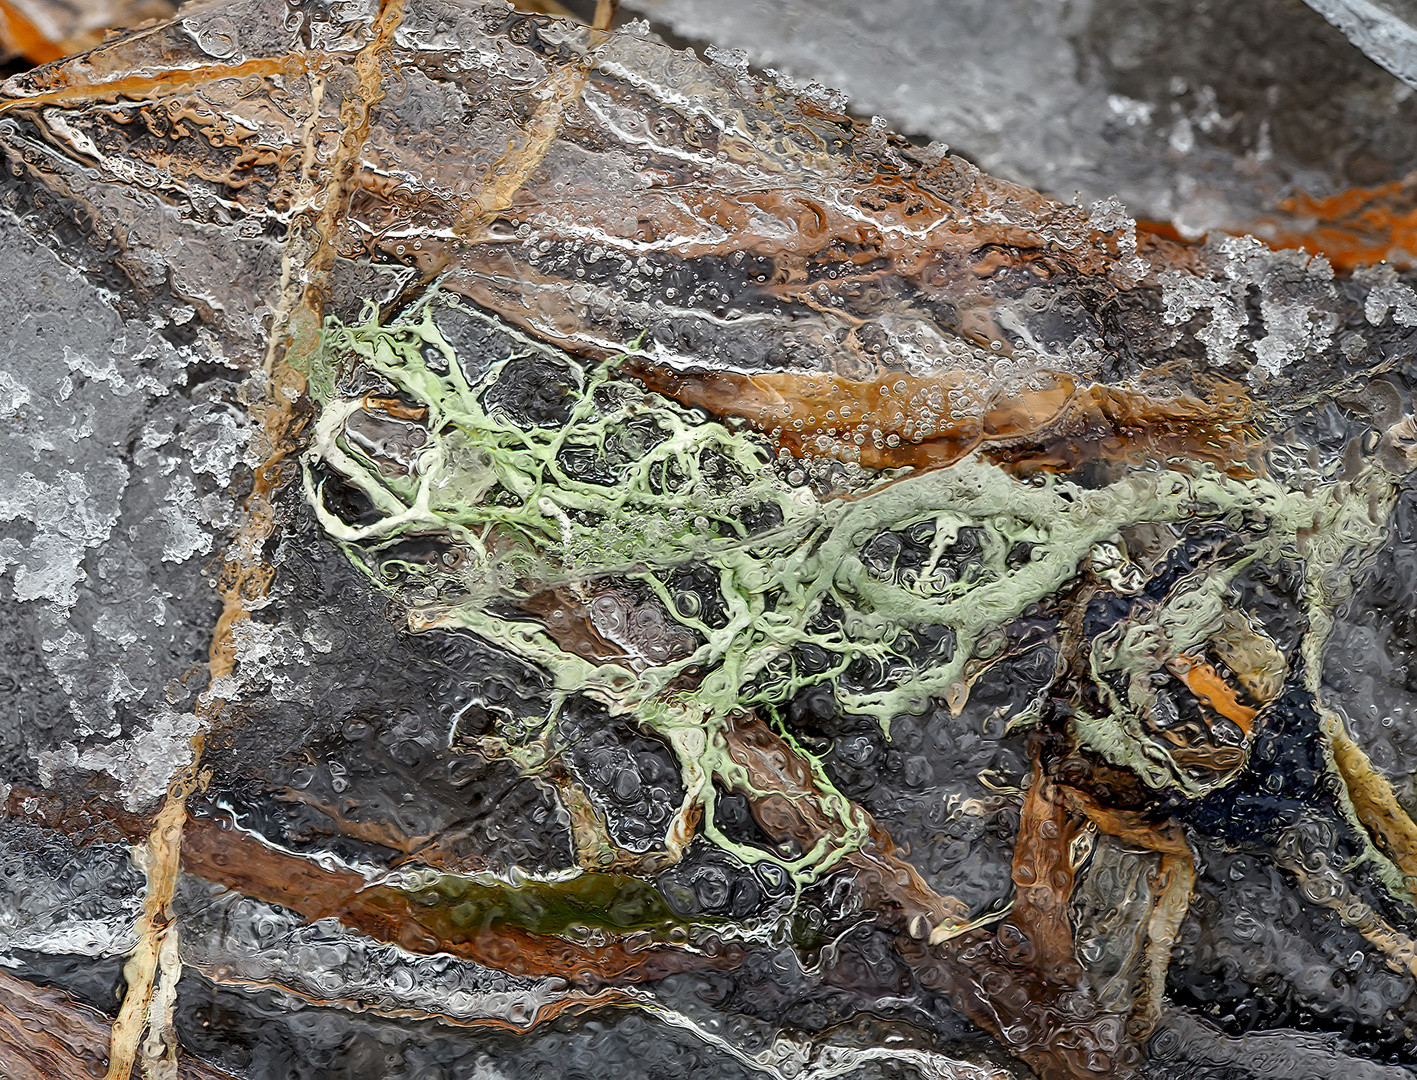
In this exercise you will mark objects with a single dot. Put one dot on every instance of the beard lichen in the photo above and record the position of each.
(544, 477)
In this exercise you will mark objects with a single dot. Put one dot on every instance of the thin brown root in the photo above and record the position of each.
(1043, 875)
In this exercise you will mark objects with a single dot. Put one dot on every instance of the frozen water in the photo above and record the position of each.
(1203, 115)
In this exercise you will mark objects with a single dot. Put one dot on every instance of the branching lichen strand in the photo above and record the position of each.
(680, 486)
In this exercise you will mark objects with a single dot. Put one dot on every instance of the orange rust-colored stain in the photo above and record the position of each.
(1354, 227)
(1045, 422)
(1161, 229)
(1212, 690)
(18, 34)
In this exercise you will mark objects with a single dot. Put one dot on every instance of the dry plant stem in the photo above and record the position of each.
(1375, 802)
(160, 857)
(46, 1036)
(545, 7)
(1175, 883)
(605, 13)
(989, 976)
(245, 578)
(370, 832)
(1212, 690)
(1319, 887)
(514, 168)
(595, 848)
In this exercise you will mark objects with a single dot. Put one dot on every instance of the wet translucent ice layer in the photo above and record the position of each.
(1201, 115)
(529, 552)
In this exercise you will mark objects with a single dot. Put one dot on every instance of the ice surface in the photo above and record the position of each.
(1203, 115)
(610, 566)
(103, 590)
(1384, 29)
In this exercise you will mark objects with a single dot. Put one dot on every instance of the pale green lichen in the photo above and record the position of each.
(674, 488)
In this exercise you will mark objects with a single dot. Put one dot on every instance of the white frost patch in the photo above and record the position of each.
(81, 937)
(1131, 111)
(184, 537)
(14, 395)
(1184, 295)
(1296, 303)
(68, 519)
(10, 552)
(69, 650)
(1110, 216)
(143, 764)
(216, 445)
(1387, 295)
(116, 627)
(82, 364)
(263, 651)
(52, 571)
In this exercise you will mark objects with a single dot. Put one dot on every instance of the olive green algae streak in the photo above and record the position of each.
(684, 484)
(459, 906)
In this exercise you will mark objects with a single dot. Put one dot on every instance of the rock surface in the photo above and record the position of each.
(560, 555)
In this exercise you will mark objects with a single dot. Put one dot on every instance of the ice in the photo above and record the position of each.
(1201, 115)
(142, 764)
(86, 523)
(55, 898)
(1384, 29)
(241, 940)
(1297, 302)
(608, 565)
